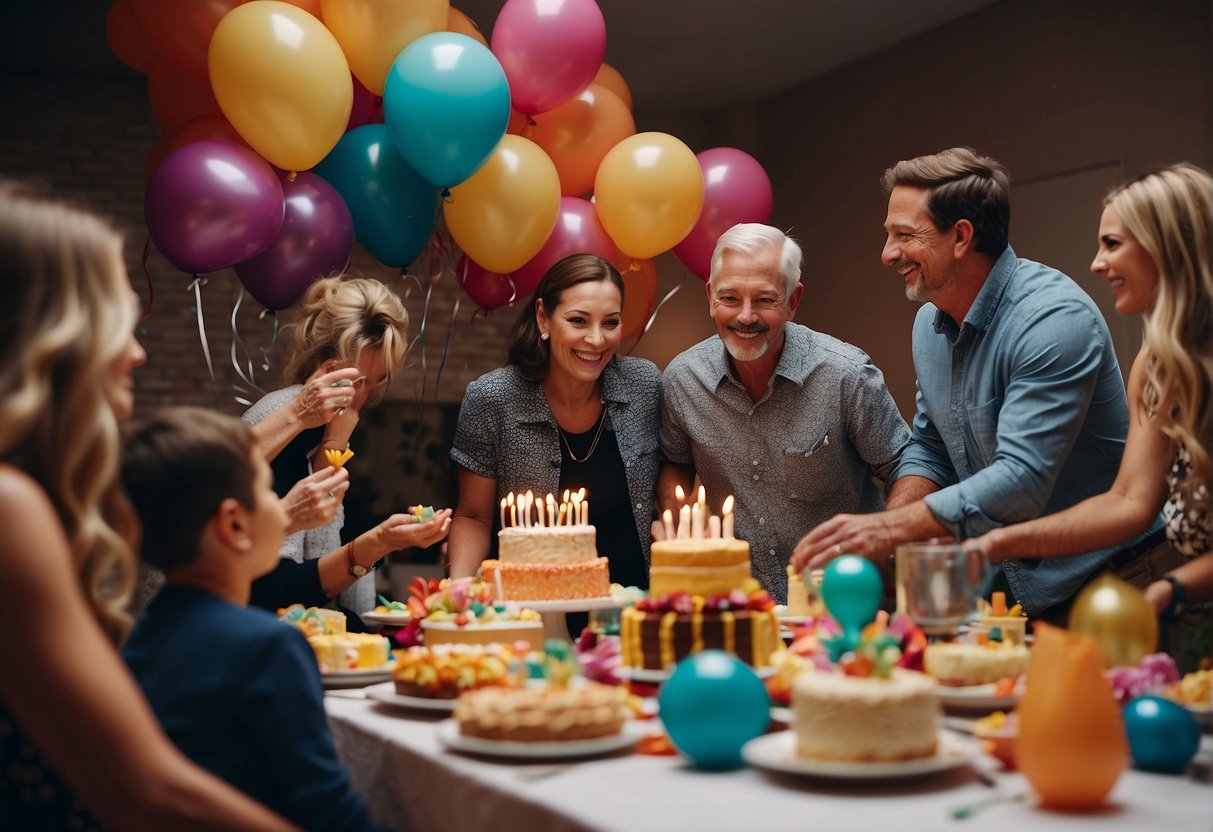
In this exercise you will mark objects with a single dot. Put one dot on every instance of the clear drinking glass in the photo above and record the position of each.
(938, 585)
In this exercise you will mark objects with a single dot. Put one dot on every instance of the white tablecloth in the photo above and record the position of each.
(411, 783)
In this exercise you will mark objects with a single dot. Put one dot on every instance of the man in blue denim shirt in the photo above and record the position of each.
(1021, 408)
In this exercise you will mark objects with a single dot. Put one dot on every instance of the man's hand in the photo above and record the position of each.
(866, 535)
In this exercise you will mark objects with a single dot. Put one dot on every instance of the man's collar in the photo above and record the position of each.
(791, 364)
(985, 305)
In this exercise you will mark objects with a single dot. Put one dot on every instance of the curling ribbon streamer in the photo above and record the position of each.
(196, 285)
(237, 342)
(649, 323)
(147, 310)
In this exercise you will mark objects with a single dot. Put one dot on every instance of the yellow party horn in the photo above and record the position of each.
(337, 458)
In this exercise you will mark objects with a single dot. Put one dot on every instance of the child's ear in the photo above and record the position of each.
(231, 526)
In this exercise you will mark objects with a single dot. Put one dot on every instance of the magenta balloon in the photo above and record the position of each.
(550, 50)
(315, 241)
(213, 204)
(578, 231)
(366, 106)
(735, 189)
(488, 290)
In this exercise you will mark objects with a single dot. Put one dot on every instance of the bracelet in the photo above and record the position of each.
(1179, 599)
(356, 569)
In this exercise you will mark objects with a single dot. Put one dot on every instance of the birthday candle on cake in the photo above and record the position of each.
(680, 494)
(696, 521)
(667, 521)
(513, 509)
(714, 526)
(503, 512)
(726, 528)
(684, 521)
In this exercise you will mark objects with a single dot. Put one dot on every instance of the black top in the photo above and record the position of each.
(606, 487)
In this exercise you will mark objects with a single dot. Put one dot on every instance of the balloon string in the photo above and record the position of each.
(196, 285)
(151, 293)
(420, 339)
(649, 323)
(265, 356)
(238, 344)
(446, 347)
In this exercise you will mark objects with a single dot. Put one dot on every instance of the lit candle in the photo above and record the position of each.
(684, 522)
(563, 511)
(585, 512)
(539, 511)
(529, 497)
(703, 496)
(726, 530)
(575, 510)
(667, 521)
(551, 501)
(696, 521)
(714, 526)
(510, 499)
(503, 512)
(680, 494)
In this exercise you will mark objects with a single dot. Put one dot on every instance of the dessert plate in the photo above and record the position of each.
(386, 693)
(357, 678)
(449, 736)
(392, 619)
(777, 752)
(976, 697)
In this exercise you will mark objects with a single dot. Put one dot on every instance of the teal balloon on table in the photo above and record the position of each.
(393, 206)
(447, 105)
(712, 705)
(851, 589)
(1163, 735)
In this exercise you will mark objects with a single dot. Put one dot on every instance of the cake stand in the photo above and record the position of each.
(552, 612)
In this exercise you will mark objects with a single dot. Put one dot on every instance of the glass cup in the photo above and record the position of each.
(938, 585)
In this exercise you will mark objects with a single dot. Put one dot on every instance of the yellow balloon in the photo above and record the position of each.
(1119, 617)
(648, 193)
(373, 32)
(506, 211)
(282, 82)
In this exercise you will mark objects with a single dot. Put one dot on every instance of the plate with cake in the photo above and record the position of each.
(450, 737)
(777, 752)
(991, 697)
(392, 618)
(358, 677)
(386, 693)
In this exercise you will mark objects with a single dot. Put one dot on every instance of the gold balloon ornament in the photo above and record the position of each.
(1118, 616)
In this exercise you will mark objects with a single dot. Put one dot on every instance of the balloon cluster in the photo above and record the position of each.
(392, 104)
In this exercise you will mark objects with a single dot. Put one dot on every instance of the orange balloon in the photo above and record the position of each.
(639, 297)
(181, 30)
(127, 38)
(282, 81)
(1071, 745)
(373, 32)
(648, 193)
(579, 133)
(312, 7)
(610, 78)
(505, 212)
(459, 22)
(177, 97)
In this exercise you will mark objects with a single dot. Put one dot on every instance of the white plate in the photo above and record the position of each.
(392, 619)
(449, 736)
(794, 620)
(777, 752)
(387, 694)
(655, 677)
(976, 697)
(357, 678)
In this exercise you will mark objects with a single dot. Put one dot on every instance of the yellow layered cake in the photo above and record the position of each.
(658, 632)
(544, 714)
(448, 670)
(705, 566)
(864, 718)
(492, 632)
(960, 664)
(343, 652)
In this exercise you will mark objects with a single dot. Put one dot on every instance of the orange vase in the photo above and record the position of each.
(1072, 744)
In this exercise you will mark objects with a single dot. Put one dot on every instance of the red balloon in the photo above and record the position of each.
(181, 30)
(367, 109)
(488, 290)
(177, 97)
(127, 38)
(736, 189)
(315, 241)
(578, 231)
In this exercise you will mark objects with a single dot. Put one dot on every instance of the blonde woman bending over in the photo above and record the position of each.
(79, 747)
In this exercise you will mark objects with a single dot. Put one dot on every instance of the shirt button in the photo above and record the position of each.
(755, 462)
(762, 521)
(640, 505)
(755, 478)
(772, 551)
(953, 407)
(793, 495)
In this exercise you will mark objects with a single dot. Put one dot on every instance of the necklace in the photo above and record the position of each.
(593, 445)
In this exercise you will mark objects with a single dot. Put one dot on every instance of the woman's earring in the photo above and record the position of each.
(543, 336)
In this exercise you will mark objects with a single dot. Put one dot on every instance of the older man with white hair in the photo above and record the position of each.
(795, 424)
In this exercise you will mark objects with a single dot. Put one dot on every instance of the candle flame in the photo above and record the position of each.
(703, 495)
(511, 499)
(680, 494)
(581, 493)
(728, 505)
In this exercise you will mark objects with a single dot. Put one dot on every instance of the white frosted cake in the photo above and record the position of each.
(547, 563)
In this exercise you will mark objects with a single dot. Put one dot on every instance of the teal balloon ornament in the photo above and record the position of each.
(712, 705)
(1163, 735)
(392, 205)
(851, 589)
(447, 104)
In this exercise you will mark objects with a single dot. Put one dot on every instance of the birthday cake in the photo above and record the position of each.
(961, 664)
(343, 652)
(705, 566)
(448, 670)
(544, 714)
(546, 551)
(463, 612)
(803, 603)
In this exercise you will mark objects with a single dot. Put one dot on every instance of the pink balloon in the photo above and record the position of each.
(315, 241)
(736, 189)
(550, 50)
(578, 231)
(488, 290)
(213, 204)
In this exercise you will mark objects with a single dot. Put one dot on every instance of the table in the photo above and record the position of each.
(411, 783)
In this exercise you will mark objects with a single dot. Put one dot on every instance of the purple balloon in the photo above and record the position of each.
(735, 189)
(549, 51)
(212, 204)
(315, 241)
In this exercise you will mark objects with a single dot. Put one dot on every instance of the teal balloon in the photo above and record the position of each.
(1163, 735)
(392, 205)
(851, 589)
(447, 105)
(711, 706)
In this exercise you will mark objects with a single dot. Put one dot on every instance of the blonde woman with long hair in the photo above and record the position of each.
(350, 339)
(1155, 243)
(78, 744)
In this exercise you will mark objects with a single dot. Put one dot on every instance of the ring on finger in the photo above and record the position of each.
(837, 550)
(333, 494)
(340, 410)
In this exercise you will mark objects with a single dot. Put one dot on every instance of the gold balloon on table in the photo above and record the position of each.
(1119, 617)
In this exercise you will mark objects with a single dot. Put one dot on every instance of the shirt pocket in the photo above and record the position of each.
(806, 472)
(982, 431)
